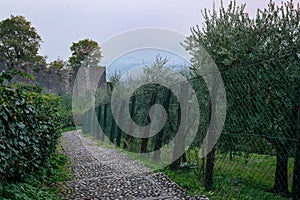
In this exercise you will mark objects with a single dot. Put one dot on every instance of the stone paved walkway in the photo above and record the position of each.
(102, 173)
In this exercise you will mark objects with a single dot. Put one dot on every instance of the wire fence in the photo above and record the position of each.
(259, 148)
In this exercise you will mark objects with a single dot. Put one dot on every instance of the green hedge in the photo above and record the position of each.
(29, 131)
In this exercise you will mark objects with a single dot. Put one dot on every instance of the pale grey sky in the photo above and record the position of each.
(61, 22)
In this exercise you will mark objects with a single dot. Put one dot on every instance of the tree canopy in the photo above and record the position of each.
(258, 61)
(85, 53)
(19, 42)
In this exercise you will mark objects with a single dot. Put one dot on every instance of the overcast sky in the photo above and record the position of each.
(62, 22)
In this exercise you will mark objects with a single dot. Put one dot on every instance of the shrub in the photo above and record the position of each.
(29, 131)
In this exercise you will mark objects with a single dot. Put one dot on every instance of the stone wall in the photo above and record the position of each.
(52, 81)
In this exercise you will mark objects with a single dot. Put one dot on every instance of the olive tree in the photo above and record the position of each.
(258, 62)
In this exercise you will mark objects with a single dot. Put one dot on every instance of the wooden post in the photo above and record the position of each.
(129, 137)
(113, 128)
(99, 115)
(104, 122)
(119, 131)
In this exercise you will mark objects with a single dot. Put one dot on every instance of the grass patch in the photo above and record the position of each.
(259, 169)
(225, 187)
(37, 186)
(233, 179)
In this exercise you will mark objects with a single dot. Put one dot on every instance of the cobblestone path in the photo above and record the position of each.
(103, 173)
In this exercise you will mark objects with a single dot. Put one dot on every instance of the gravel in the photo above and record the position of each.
(103, 173)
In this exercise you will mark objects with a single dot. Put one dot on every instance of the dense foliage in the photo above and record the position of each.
(36, 186)
(29, 130)
(19, 42)
(57, 64)
(84, 53)
(260, 68)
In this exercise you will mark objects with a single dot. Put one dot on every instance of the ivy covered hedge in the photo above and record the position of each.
(29, 131)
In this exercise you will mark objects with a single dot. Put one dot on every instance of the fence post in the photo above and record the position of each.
(129, 137)
(88, 124)
(119, 131)
(104, 121)
(99, 115)
(84, 122)
(94, 121)
(113, 127)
